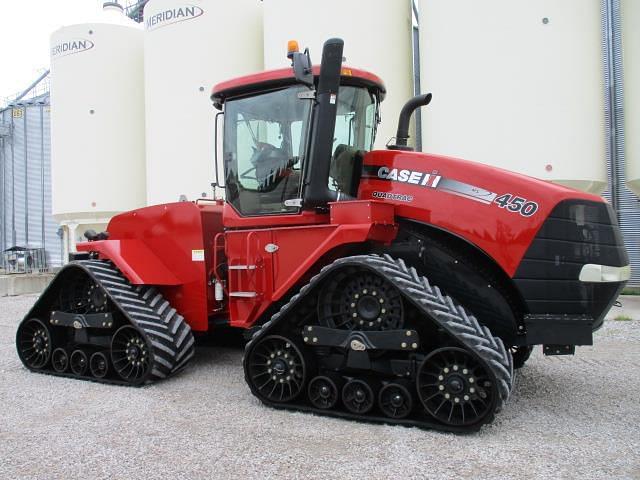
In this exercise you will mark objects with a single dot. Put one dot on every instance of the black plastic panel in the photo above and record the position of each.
(576, 233)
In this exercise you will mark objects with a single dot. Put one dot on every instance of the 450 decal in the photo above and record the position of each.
(516, 204)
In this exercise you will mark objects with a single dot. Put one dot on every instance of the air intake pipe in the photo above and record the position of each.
(402, 134)
(317, 193)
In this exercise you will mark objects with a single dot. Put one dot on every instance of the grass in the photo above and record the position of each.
(623, 318)
(631, 291)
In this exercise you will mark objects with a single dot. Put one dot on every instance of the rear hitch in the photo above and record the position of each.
(559, 349)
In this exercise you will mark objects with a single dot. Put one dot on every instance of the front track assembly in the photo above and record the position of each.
(370, 339)
(92, 323)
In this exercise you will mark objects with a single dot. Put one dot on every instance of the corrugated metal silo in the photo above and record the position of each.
(25, 179)
(631, 65)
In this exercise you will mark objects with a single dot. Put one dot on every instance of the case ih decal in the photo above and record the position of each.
(509, 202)
(429, 180)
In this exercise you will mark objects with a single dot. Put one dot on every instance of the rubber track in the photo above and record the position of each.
(170, 337)
(442, 309)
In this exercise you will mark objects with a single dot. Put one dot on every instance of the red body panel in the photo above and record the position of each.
(174, 242)
(271, 261)
(462, 200)
(182, 247)
(136, 260)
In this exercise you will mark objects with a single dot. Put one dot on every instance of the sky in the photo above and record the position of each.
(25, 26)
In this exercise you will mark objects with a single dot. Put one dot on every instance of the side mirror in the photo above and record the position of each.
(302, 69)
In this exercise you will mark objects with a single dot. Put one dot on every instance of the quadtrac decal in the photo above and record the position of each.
(510, 202)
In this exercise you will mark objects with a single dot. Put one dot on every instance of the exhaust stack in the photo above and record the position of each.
(402, 134)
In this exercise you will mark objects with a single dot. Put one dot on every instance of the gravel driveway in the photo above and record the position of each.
(570, 417)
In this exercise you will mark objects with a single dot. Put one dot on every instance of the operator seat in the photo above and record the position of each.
(346, 168)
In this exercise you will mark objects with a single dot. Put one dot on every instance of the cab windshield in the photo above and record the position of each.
(266, 139)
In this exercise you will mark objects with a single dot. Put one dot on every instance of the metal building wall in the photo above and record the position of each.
(626, 203)
(25, 179)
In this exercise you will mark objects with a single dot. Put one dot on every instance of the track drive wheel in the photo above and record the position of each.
(34, 343)
(455, 388)
(131, 355)
(356, 300)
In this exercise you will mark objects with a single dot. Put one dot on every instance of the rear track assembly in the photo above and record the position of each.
(91, 323)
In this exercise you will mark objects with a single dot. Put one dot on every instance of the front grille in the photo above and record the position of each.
(576, 233)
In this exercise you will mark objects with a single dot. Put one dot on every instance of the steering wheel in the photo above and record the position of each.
(260, 149)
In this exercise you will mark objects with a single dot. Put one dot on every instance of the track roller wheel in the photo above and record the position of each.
(34, 343)
(99, 365)
(324, 392)
(454, 388)
(520, 355)
(358, 396)
(131, 355)
(60, 360)
(79, 362)
(277, 369)
(395, 400)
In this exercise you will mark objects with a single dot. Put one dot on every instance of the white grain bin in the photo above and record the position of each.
(630, 10)
(517, 85)
(376, 34)
(190, 46)
(97, 122)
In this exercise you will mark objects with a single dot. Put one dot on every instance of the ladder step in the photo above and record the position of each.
(243, 294)
(242, 267)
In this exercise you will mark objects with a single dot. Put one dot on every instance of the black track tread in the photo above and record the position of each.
(166, 330)
(442, 309)
(167, 333)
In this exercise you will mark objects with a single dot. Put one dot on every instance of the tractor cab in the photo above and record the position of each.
(291, 142)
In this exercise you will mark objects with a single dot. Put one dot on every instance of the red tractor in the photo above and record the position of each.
(388, 285)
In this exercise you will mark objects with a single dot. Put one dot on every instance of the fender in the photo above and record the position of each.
(133, 258)
(168, 246)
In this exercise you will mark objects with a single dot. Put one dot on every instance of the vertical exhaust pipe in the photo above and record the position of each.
(317, 192)
(402, 135)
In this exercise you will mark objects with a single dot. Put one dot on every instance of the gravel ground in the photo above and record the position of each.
(570, 417)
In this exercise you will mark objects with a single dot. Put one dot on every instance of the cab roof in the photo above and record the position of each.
(284, 77)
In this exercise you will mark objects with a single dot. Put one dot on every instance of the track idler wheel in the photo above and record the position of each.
(324, 392)
(455, 388)
(60, 360)
(395, 400)
(131, 355)
(79, 362)
(277, 369)
(99, 365)
(358, 396)
(34, 343)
